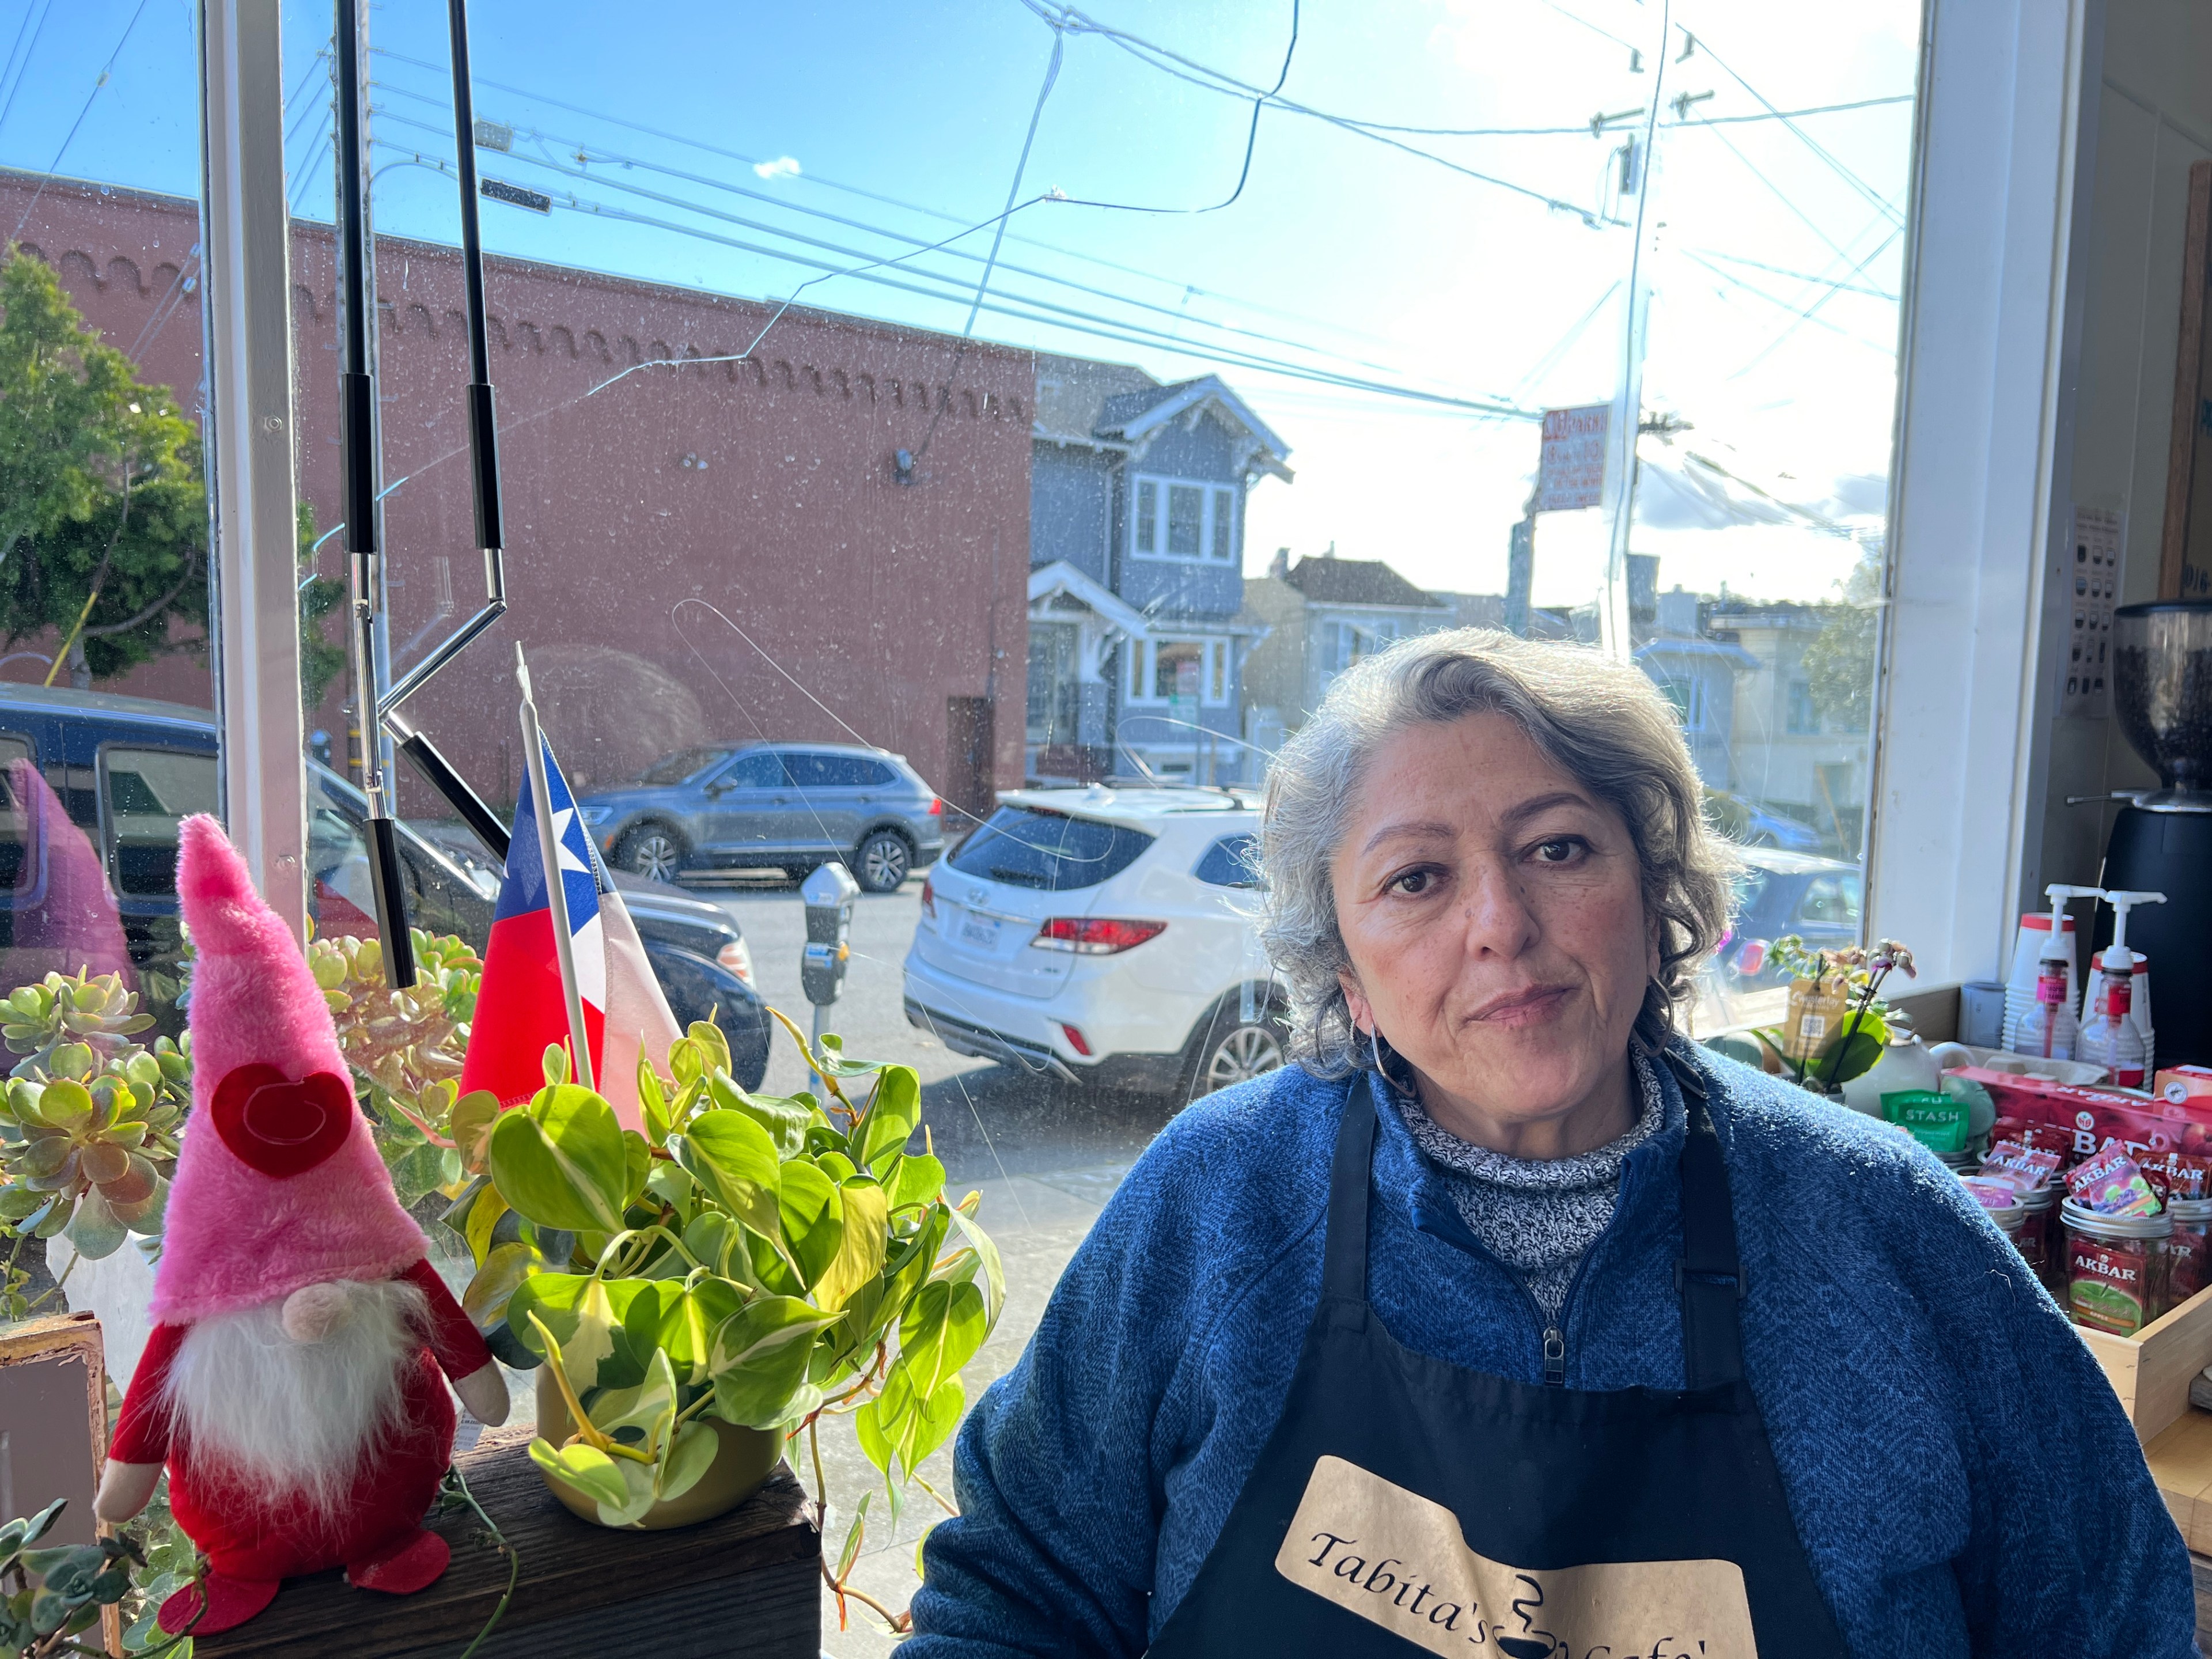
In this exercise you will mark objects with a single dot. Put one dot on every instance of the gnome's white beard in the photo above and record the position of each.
(297, 1418)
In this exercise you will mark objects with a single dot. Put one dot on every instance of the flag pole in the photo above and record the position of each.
(549, 853)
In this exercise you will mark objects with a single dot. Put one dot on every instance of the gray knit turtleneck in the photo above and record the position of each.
(1539, 1216)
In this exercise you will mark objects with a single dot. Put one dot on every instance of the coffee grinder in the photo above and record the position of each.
(2162, 839)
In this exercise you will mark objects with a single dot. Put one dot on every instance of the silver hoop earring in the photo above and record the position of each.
(1375, 1046)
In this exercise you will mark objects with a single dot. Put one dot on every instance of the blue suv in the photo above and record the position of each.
(772, 806)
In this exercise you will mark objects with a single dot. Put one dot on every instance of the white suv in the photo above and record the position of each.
(1105, 935)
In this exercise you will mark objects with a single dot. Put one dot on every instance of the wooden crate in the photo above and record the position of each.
(2151, 1371)
(2180, 1460)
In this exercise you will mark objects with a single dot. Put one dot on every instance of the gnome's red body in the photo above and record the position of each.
(246, 1535)
(293, 1382)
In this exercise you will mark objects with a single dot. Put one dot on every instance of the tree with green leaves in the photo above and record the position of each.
(1839, 658)
(320, 662)
(103, 506)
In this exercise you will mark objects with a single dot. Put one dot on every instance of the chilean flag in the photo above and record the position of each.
(520, 1006)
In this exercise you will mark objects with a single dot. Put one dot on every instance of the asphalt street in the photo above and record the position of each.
(1045, 1155)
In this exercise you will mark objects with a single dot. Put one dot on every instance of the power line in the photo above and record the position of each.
(1787, 305)
(1798, 275)
(1806, 315)
(1212, 80)
(19, 71)
(70, 138)
(848, 253)
(1804, 137)
(1781, 195)
(1022, 307)
(394, 118)
(1772, 114)
(823, 181)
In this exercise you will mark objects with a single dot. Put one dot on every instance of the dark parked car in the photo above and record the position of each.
(1779, 893)
(126, 769)
(772, 806)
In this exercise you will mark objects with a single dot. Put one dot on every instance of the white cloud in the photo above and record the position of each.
(784, 167)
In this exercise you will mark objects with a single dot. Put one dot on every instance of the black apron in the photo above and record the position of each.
(1403, 1504)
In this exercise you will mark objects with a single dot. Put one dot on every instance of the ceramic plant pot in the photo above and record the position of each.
(746, 1458)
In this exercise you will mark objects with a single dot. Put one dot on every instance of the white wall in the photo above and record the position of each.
(2153, 119)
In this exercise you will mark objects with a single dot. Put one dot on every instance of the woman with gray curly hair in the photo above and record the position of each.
(1509, 1318)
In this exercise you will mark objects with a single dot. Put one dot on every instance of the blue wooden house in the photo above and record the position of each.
(1137, 499)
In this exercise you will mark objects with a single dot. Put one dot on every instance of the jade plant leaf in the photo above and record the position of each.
(561, 1161)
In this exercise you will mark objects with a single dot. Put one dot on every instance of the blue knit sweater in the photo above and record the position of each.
(1962, 1477)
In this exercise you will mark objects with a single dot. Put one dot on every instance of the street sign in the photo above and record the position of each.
(1571, 472)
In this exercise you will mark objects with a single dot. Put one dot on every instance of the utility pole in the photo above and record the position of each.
(1521, 573)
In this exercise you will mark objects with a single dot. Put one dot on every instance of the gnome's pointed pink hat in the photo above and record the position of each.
(278, 1184)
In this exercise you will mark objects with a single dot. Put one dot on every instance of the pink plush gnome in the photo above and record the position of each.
(292, 1383)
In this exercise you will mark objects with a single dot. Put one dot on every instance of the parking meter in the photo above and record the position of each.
(828, 893)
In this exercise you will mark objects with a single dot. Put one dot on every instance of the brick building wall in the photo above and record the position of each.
(763, 491)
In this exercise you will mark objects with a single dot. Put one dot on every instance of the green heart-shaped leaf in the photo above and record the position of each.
(892, 1116)
(813, 1218)
(561, 1161)
(588, 1469)
(733, 1158)
(759, 1358)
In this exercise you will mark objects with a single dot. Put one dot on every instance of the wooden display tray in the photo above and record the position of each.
(747, 1583)
(2151, 1371)
(2181, 1462)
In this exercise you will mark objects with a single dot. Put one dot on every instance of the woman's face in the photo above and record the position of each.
(1493, 911)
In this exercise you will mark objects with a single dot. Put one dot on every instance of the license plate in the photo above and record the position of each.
(980, 931)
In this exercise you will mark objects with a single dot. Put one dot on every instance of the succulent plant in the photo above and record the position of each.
(88, 1121)
(406, 1047)
(96, 1012)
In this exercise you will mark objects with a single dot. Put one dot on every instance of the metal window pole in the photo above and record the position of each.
(246, 433)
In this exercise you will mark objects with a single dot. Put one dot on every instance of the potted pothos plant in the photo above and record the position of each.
(704, 1291)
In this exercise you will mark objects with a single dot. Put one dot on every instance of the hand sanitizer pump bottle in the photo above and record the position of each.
(2113, 1036)
(2052, 1029)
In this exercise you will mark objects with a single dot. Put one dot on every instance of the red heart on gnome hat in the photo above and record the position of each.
(279, 1126)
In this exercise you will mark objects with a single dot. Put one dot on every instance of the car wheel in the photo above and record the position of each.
(1236, 1053)
(882, 862)
(651, 850)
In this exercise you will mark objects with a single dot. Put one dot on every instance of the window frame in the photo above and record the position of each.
(1213, 494)
(1145, 671)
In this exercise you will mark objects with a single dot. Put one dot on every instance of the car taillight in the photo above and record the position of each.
(1075, 1040)
(1094, 936)
(928, 899)
(1752, 958)
(738, 958)
(936, 807)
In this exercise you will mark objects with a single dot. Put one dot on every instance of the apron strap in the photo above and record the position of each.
(1709, 1275)
(1344, 1254)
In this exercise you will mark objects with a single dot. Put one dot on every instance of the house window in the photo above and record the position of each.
(1193, 671)
(1690, 702)
(1801, 718)
(1185, 520)
(1175, 669)
(1201, 521)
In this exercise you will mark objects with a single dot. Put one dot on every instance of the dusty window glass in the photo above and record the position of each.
(108, 730)
(1058, 476)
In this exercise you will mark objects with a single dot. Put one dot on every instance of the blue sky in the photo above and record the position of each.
(1343, 256)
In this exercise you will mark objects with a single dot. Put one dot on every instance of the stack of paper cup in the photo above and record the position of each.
(2019, 983)
(2093, 1000)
